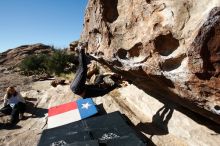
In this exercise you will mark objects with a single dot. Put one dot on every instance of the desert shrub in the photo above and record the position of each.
(56, 63)
(33, 64)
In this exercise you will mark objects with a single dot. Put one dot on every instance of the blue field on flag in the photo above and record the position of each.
(86, 107)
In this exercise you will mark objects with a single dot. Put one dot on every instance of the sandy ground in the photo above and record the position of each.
(39, 99)
(181, 129)
(13, 79)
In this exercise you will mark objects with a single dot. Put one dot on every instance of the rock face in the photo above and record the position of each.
(14, 56)
(170, 49)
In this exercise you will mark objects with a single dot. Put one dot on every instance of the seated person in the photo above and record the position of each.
(78, 85)
(14, 104)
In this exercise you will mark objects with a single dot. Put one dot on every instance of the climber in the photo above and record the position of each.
(78, 85)
(14, 105)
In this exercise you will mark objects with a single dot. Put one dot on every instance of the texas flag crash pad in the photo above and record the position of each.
(70, 112)
(109, 129)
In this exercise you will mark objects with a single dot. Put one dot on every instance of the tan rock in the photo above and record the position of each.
(57, 82)
(170, 49)
(73, 45)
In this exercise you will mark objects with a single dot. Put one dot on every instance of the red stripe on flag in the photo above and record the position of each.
(62, 108)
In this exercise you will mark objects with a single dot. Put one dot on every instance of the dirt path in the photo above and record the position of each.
(39, 98)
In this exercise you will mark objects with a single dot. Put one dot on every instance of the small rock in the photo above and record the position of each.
(41, 77)
(6, 72)
(2, 69)
(58, 82)
(108, 80)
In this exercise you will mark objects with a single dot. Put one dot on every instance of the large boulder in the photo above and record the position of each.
(170, 49)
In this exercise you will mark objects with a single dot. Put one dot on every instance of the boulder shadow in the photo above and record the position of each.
(7, 126)
(174, 101)
(34, 111)
(147, 140)
(159, 124)
(101, 109)
(30, 99)
(96, 90)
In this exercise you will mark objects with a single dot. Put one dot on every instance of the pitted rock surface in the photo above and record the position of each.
(165, 47)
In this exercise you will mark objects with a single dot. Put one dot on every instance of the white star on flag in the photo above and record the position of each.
(86, 106)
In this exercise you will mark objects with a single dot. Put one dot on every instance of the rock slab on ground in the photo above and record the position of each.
(163, 123)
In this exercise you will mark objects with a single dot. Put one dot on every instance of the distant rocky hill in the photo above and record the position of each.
(14, 56)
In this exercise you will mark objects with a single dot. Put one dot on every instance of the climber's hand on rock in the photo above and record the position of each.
(82, 46)
(79, 48)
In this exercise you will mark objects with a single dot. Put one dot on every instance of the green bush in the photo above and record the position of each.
(56, 63)
(33, 64)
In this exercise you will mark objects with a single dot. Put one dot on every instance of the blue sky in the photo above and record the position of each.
(52, 22)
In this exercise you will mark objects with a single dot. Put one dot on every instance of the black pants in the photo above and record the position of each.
(78, 85)
(14, 112)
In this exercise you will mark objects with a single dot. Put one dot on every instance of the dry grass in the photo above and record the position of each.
(69, 76)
